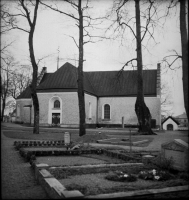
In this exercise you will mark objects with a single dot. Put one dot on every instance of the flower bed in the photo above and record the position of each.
(158, 175)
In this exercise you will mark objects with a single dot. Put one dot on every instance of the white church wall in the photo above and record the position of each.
(125, 107)
(90, 109)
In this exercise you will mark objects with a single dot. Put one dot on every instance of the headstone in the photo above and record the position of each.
(176, 149)
(67, 139)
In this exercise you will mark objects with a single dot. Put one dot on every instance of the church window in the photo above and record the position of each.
(106, 111)
(57, 104)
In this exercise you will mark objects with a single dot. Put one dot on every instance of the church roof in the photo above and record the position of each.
(99, 83)
(170, 117)
(26, 94)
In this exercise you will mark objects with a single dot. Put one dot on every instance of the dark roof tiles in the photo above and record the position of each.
(26, 94)
(99, 83)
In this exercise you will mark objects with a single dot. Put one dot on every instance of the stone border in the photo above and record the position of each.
(52, 186)
(56, 190)
(140, 193)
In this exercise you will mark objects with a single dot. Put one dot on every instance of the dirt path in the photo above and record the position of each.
(17, 177)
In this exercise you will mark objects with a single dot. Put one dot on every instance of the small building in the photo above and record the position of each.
(178, 151)
(170, 124)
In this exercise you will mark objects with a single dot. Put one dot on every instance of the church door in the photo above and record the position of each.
(170, 127)
(55, 119)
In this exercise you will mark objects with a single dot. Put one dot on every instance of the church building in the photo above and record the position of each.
(110, 98)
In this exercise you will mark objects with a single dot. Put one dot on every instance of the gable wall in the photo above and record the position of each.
(24, 111)
(170, 121)
(125, 107)
(69, 109)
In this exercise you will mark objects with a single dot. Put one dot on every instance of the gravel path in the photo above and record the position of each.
(17, 177)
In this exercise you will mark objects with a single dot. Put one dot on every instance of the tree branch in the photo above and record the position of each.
(27, 12)
(57, 10)
(73, 40)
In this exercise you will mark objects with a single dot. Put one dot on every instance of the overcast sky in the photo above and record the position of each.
(52, 30)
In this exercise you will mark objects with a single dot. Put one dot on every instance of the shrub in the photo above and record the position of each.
(163, 163)
(158, 175)
(120, 176)
(184, 176)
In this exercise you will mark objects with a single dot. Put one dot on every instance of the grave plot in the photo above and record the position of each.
(86, 171)
(100, 179)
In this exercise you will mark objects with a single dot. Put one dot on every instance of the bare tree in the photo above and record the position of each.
(4, 29)
(166, 100)
(5, 82)
(184, 44)
(82, 22)
(25, 13)
(142, 32)
(174, 57)
(19, 81)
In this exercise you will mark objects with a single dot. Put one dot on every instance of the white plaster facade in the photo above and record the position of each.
(170, 121)
(125, 107)
(69, 109)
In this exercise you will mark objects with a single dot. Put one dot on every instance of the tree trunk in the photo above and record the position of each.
(81, 97)
(184, 44)
(142, 111)
(3, 109)
(33, 85)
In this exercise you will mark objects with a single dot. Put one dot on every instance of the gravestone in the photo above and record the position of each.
(178, 150)
(67, 138)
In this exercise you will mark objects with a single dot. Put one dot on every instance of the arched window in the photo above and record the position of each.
(106, 111)
(56, 104)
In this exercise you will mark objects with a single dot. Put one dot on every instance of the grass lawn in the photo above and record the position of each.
(86, 159)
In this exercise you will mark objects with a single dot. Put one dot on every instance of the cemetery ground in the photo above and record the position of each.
(104, 163)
